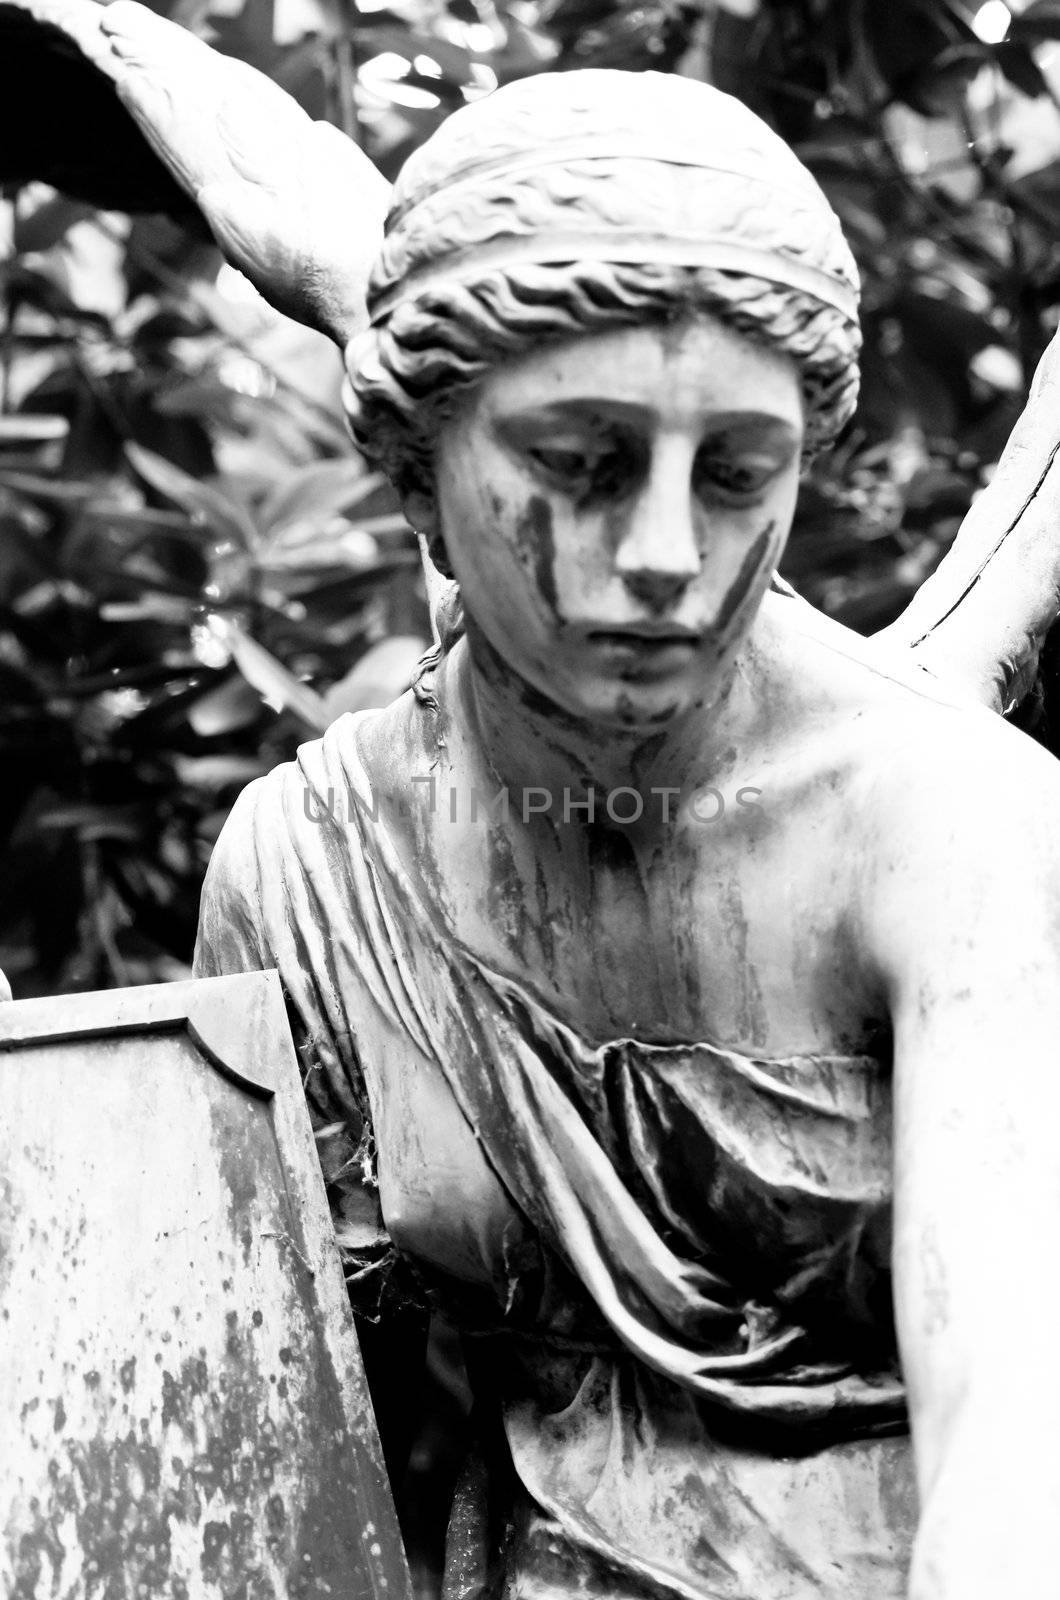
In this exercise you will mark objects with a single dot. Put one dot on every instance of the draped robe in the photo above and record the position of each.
(673, 1255)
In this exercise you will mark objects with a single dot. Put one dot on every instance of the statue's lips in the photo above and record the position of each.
(645, 637)
(645, 653)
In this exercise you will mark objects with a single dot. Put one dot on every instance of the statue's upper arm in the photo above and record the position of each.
(230, 936)
(962, 916)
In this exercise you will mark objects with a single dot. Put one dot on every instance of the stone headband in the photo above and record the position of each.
(726, 252)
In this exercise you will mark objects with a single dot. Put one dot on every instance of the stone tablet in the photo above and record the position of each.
(183, 1411)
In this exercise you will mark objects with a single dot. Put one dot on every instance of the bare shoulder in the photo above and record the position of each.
(968, 770)
(943, 813)
(390, 748)
(917, 746)
(961, 820)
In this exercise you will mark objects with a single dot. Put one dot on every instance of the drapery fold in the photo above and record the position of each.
(325, 897)
(717, 1216)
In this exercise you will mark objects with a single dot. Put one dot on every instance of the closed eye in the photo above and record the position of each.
(736, 478)
(565, 460)
(586, 468)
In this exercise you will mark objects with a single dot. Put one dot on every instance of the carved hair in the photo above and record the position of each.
(555, 208)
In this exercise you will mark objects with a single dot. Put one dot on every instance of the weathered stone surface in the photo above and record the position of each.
(183, 1414)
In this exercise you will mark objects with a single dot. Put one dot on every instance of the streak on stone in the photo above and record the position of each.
(749, 569)
(537, 540)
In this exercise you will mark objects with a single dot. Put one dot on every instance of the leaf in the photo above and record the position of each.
(224, 709)
(316, 494)
(340, 585)
(39, 288)
(329, 1130)
(1021, 69)
(383, 672)
(152, 608)
(338, 551)
(208, 507)
(276, 686)
(332, 554)
(453, 59)
(47, 223)
(34, 432)
(217, 772)
(92, 822)
(1039, 21)
(24, 559)
(145, 520)
(207, 398)
(62, 491)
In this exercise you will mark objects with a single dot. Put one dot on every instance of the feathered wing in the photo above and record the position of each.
(61, 120)
(982, 617)
(293, 203)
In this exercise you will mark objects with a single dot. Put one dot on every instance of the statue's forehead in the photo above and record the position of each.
(669, 373)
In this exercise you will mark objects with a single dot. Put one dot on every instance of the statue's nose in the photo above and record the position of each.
(658, 552)
(659, 590)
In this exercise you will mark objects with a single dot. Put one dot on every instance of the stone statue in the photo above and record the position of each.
(675, 973)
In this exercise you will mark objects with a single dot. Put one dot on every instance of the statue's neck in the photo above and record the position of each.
(533, 747)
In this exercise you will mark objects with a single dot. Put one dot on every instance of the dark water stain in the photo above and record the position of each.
(644, 757)
(125, 1497)
(750, 567)
(505, 903)
(496, 504)
(495, 671)
(9, 1212)
(537, 545)
(111, 1490)
(618, 899)
(751, 1018)
(544, 920)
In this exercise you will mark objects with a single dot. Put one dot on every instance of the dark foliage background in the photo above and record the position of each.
(196, 570)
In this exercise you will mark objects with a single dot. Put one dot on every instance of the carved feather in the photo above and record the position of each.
(293, 203)
(983, 616)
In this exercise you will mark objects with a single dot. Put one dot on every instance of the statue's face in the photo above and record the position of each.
(613, 509)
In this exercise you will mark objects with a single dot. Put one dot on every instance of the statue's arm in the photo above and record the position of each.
(962, 917)
(982, 617)
(231, 934)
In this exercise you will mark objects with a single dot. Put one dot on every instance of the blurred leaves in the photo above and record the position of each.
(177, 592)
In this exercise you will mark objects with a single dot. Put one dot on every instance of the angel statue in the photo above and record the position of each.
(675, 972)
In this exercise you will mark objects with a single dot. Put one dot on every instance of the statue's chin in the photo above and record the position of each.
(628, 715)
(624, 708)
(645, 695)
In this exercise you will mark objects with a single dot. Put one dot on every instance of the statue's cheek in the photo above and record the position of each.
(757, 560)
(535, 544)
